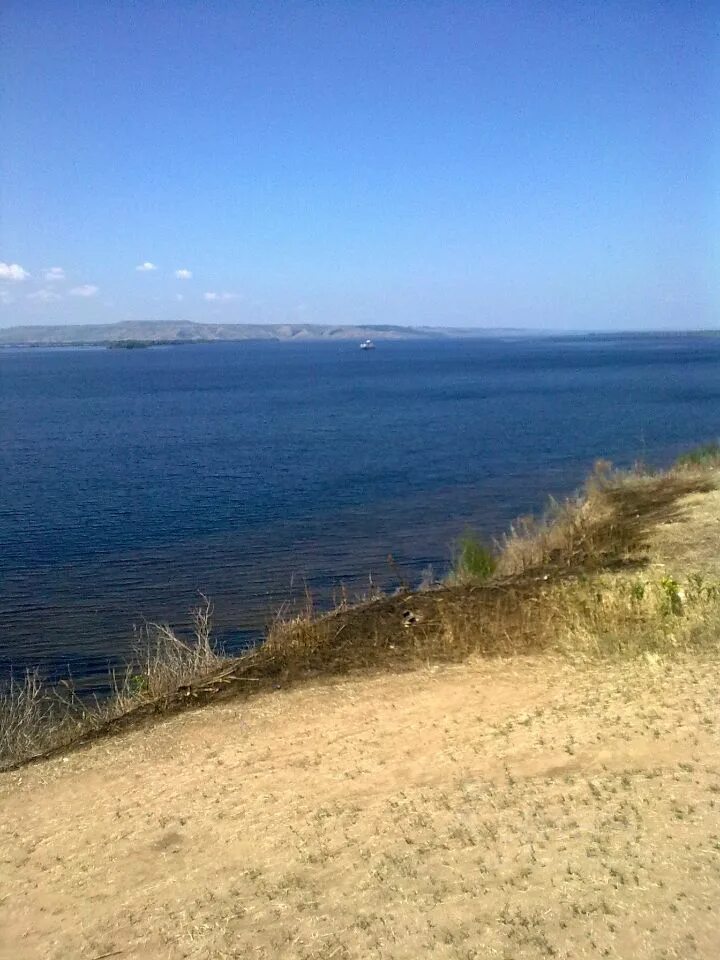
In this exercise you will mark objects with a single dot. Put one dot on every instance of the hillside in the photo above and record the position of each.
(521, 806)
(186, 331)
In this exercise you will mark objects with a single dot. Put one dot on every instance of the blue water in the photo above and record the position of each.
(132, 480)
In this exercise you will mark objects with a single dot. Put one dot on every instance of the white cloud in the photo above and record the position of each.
(183, 274)
(12, 271)
(85, 290)
(5, 297)
(219, 297)
(146, 267)
(44, 296)
(54, 273)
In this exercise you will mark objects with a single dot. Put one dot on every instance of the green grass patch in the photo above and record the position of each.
(706, 455)
(473, 559)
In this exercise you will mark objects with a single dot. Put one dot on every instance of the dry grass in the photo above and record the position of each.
(26, 717)
(627, 617)
(169, 664)
(37, 718)
(543, 585)
(550, 591)
(605, 524)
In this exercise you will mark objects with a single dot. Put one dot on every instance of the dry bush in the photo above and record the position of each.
(37, 718)
(295, 644)
(24, 716)
(168, 664)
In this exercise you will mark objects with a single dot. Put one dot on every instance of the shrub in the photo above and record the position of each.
(473, 560)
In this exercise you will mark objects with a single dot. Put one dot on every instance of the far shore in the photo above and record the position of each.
(171, 333)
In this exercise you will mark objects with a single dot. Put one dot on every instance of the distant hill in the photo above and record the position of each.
(188, 332)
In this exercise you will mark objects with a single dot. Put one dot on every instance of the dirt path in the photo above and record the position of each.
(518, 808)
(510, 809)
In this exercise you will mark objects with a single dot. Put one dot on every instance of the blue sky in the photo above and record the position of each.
(546, 165)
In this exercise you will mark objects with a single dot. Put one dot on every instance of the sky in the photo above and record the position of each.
(549, 165)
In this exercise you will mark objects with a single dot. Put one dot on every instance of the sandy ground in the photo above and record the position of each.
(692, 543)
(512, 809)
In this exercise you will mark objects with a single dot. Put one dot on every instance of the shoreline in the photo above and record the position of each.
(604, 525)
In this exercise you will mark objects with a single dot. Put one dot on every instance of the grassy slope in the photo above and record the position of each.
(555, 587)
(519, 807)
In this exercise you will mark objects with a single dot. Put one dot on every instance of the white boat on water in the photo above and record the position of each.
(367, 345)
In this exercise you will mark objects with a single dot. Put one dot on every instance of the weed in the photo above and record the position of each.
(473, 560)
